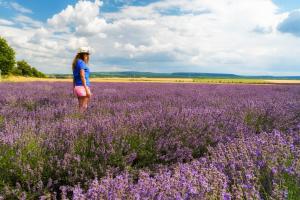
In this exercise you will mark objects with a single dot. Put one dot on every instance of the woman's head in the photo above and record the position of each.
(83, 54)
(86, 57)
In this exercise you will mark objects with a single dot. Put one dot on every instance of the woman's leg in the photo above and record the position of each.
(81, 103)
(85, 102)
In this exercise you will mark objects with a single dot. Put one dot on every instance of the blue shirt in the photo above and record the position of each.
(80, 64)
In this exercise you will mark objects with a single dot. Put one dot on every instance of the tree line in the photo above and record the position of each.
(9, 66)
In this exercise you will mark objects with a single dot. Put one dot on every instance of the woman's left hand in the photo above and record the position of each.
(88, 92)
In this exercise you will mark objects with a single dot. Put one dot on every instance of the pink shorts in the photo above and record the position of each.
(80, 91)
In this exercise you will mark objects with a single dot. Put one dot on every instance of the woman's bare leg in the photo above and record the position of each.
(81, 103)
(85, 102)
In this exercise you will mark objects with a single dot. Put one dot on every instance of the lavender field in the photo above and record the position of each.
(150, 141)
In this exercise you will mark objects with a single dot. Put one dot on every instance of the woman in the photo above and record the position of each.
(81, 73)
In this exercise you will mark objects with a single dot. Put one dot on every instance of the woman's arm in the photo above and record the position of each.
(82, 76)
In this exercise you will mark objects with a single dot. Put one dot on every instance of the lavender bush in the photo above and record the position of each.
(150, 141)
(247, 168)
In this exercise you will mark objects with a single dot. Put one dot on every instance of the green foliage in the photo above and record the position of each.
(29, 105)
(266, 183)
(144, 147)
(37, 73)
(7, 63)
(21, 163)
(86, 148)
(75, 116)
(2, 118)
(292, 185)
(199, 151)
(133, 150)
(259, 122)
(289, 182)
(117, 157)
(7, 57)
(117, 160)
(16, 71)
(24, 69)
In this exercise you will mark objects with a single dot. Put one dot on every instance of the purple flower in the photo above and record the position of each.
(226, 196)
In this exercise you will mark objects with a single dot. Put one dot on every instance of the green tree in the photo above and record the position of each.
(16, 71)
(37, 73)
(7, 57)
(25, 68)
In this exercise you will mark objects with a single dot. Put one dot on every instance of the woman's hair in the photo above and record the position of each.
(78, 56)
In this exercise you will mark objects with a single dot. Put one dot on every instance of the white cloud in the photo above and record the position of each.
(27, 21)
(76, 42)
(233, 36)
(20, 8)
(84, 17)
(6, 22)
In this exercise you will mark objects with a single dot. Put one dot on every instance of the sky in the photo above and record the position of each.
(246, 37)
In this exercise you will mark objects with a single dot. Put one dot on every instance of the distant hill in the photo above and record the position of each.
(136, 74)
(158, 75)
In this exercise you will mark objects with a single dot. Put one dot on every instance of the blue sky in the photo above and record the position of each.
(42, 10)
(287, 5)
(242, 37)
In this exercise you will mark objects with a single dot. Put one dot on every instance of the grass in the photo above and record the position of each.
(28, 79)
